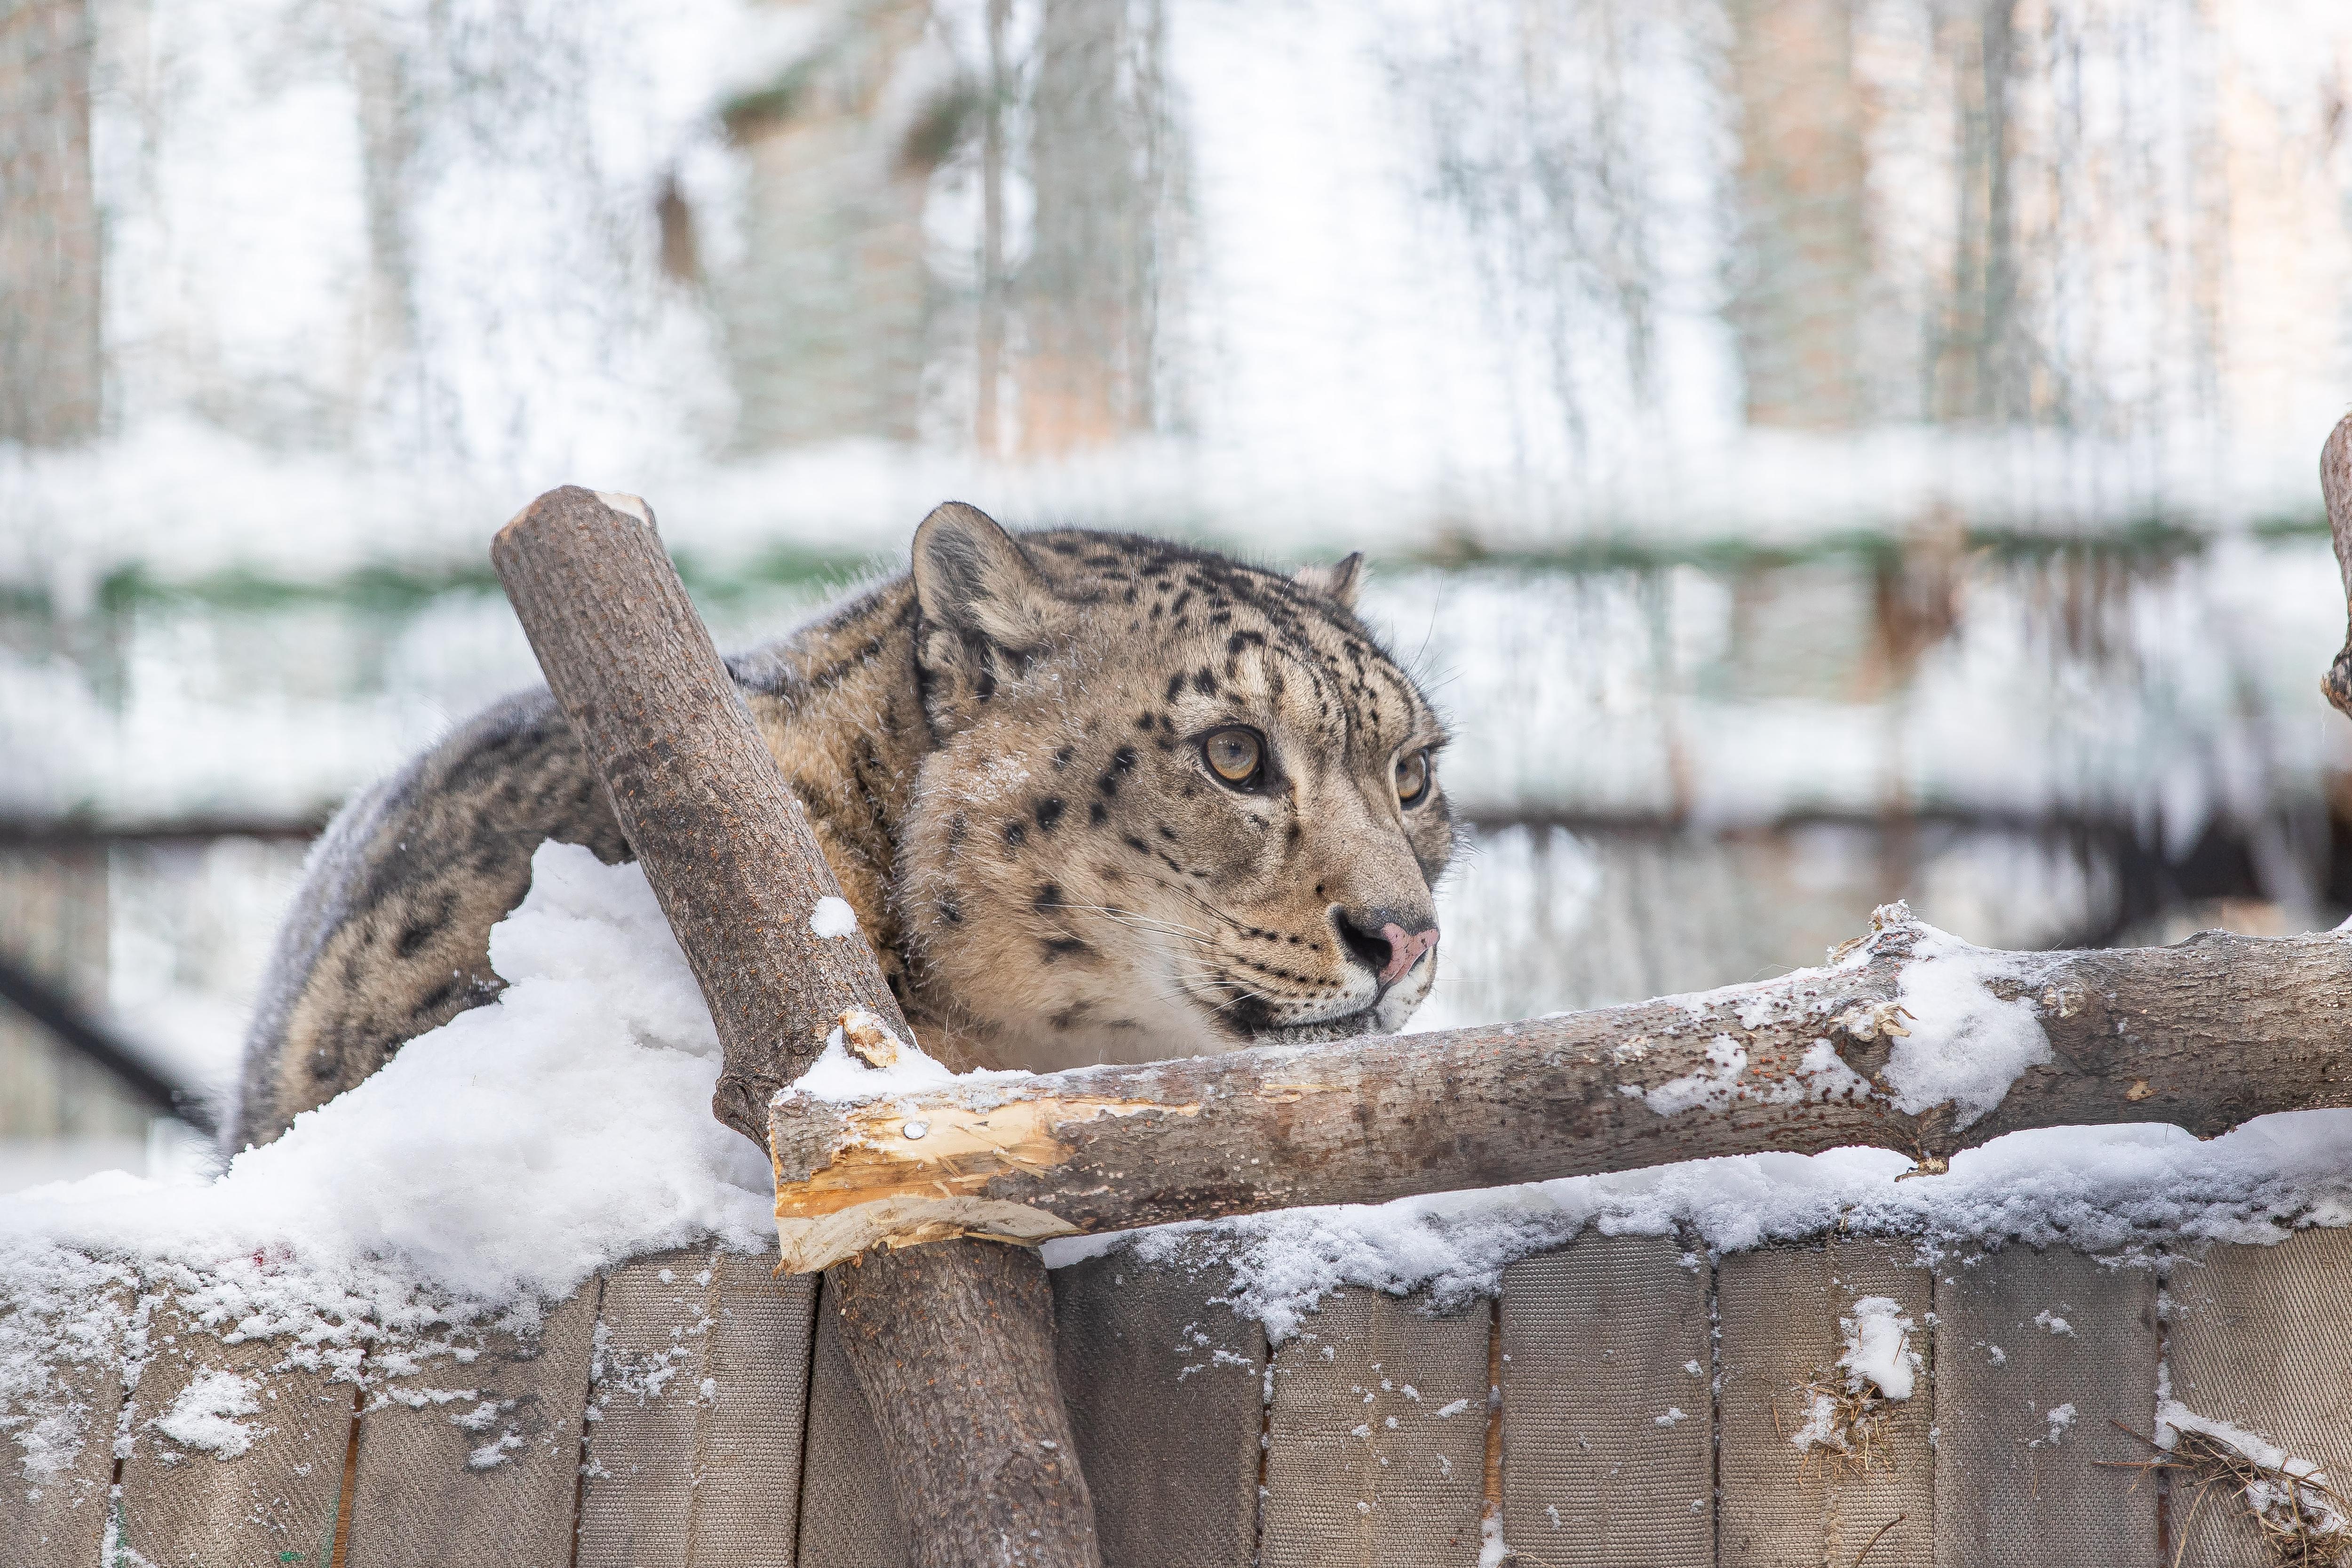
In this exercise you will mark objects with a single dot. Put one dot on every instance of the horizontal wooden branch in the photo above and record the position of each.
(2204, 1035)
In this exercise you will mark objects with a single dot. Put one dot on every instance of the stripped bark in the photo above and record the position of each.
(2204, 1035)
(953, 1350)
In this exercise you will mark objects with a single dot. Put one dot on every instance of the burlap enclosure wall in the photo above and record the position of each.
(1625, 1403)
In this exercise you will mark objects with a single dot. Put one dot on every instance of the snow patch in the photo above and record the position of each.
(493, 1163)
(840, 1076)
(2121, 1190)
(1878, 1348)
(205, 1415)
(833, 917)
(1965, 1046)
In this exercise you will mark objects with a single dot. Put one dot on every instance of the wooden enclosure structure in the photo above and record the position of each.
(693, 1410)
(1624, 1401)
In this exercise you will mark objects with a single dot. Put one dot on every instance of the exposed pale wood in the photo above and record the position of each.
(1605, 1338)
(1165, 1384)
(1362, 1467)
(953, 1349)
(2204, 1035)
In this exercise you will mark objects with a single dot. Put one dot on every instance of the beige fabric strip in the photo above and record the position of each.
(2261, 1338)
(847, 1517)
(644, 1405)
(748, 1453)
(1379, 1436)
(1606, 1434)
(1786, 1507)
(65, 1411)
(278, 1495)
(2038, 1357)
(699, 1395)
(477, 1466)
(1166, 1393)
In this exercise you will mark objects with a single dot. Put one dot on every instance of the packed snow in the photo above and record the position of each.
(1965, 1044)
(493, 1165)
(204, 1416)
(1878, 1348)
(833, 917)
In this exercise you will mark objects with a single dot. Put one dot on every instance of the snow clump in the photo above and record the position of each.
(205, 1415)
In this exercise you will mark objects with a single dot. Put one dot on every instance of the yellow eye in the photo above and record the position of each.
(1233, 755)
(1412, 778)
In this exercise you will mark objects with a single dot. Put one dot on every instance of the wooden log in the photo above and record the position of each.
(2205, 1035)
(953, 1350)
(728, 849)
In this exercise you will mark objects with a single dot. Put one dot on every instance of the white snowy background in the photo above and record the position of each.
(1420, 279)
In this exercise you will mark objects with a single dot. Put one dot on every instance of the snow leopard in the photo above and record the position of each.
(1094, 797)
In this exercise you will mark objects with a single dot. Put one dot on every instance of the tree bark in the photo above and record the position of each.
(2204, 1035)
(953, 1350)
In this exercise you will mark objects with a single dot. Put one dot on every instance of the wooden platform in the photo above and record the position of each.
(690, 1409)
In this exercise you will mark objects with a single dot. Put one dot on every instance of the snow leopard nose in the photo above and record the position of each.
(1382, 945)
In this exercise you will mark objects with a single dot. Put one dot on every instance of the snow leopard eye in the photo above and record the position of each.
(1236, 756)
(1412, 778)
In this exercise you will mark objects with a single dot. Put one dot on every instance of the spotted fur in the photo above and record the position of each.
(1001, 753)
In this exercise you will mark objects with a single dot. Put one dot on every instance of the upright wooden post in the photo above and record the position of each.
(953, 1345)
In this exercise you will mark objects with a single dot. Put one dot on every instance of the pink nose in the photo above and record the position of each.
(1404, 949)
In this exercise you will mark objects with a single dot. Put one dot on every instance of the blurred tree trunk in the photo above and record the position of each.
(825, 315)
(1976, 371)
(49, 365)
(1090, 289)
(988, 430)
(1803, 262)
(387, 123)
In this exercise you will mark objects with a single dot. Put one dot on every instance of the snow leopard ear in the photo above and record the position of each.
(974, 579)
(1338, 581)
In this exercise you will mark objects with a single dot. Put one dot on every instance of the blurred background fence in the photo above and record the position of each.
(1819, 452)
